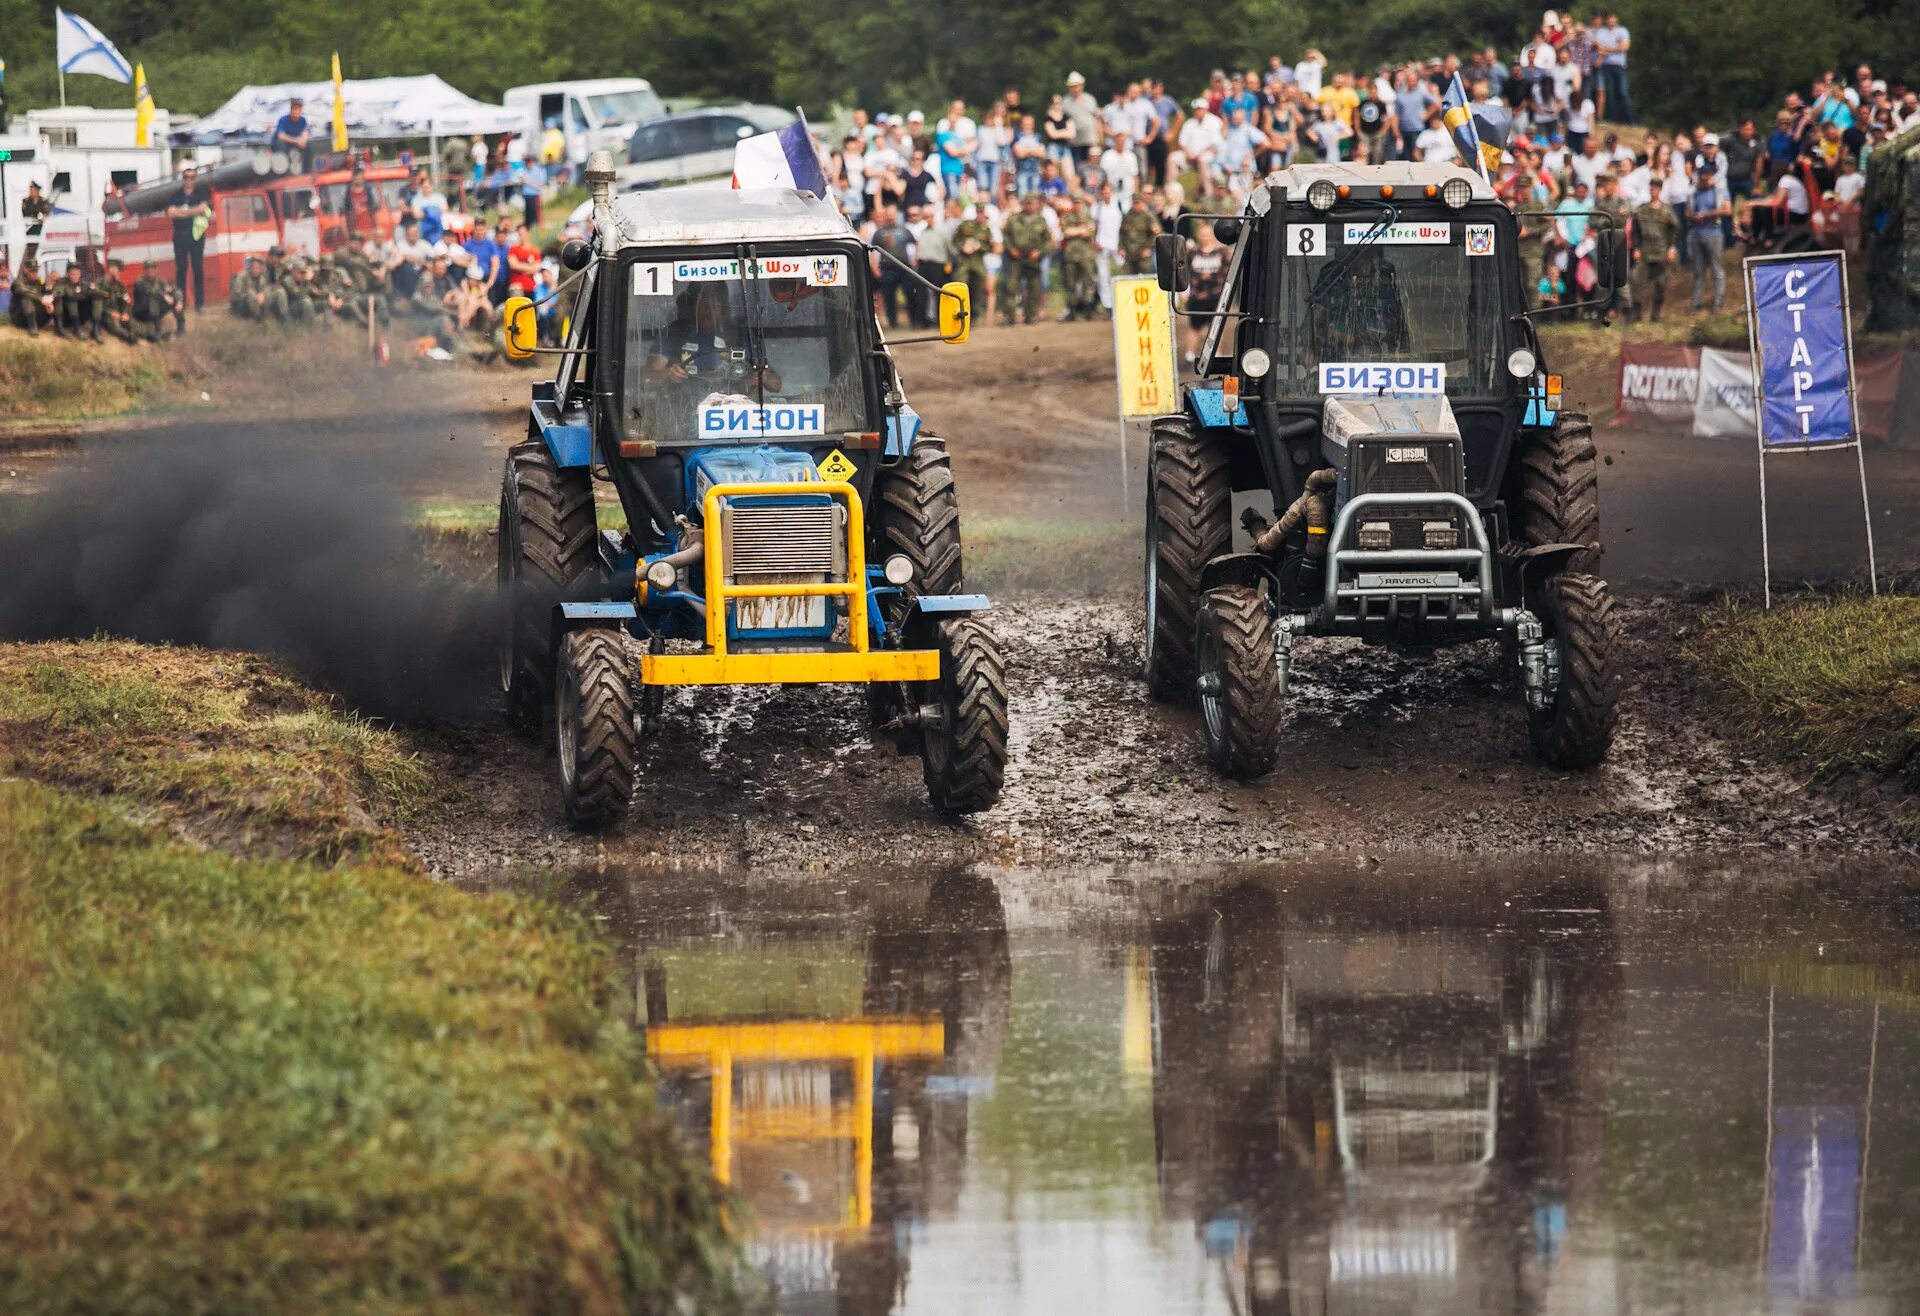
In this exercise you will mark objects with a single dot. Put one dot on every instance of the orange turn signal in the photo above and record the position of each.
(1386, 190)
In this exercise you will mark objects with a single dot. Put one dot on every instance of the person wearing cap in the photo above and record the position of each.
(1707, 209)
(112, 309)
(1027, 240)
(1083, 112)
(191, 210)
(1201, 137)
(154, 299)
(32, 306)
(251, 295)
(76, 305)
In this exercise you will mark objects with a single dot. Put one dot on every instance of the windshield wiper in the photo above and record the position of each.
(1332, 274)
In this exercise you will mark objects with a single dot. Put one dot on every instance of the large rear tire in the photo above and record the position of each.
(964, 756)
(1189, 523)
(1577, 613)
(546, 543)
(594, 728)
(1560, 490)
(1238, 682)
(916, 510)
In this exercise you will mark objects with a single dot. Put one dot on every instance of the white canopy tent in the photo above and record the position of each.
(378, 110)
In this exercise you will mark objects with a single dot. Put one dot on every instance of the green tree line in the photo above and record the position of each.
(1707, 59)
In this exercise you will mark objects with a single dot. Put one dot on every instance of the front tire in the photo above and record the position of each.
(964, 756)
(1560, 490)
(917, 514)
(1189, 523)
(1577, 613)
(597, 739)
(1238, 681)
(546, 543)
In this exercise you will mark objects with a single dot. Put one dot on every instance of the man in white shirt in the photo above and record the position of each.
(1435, 145)
(1121, 168)
(1107, 212)
(1200, 138)
(1589, 165)
(1309, 73)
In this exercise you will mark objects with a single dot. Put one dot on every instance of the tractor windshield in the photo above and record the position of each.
(712, 357)
(1413, 296)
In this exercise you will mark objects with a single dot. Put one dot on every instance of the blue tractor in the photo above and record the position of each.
(1372, 366)
(788, 520)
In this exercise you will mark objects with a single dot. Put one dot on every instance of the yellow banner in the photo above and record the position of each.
(1143, 346)
(339, 107)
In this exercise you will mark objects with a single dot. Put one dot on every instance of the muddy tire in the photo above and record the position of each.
(1578, 615)
(1189, 523)
(1238, 683)
(916, 511)
(1560, 490)
(597, 740)
(964, 759)
(546, 543)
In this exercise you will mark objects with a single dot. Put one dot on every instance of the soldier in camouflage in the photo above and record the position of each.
(972, 240)
(1653, 237)
(1138, 228)
(1609, 200)
(253, 295)
(113, 310)
(31, 308)
(1027, 239)
(153, 302)
(1079, 262)
(74, 298)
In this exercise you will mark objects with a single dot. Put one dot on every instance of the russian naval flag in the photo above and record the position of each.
(780, 159)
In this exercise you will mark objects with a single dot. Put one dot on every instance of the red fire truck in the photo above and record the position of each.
(259, 203)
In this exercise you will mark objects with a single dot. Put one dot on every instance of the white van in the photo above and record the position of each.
(594, 113)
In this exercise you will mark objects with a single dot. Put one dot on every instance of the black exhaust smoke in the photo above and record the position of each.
(280, 538)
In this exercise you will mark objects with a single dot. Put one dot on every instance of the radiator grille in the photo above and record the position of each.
(782, 539)
(1438, 472)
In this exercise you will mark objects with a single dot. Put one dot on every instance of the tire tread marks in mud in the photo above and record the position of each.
(553, 511)
(919, 509)
(1238, 644)
(1190, 498)
(605, 742)
(967, 776)
(1578, 730)
(1560, 489)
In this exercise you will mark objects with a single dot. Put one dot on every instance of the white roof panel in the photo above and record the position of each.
(1401, 174)
(697, 216)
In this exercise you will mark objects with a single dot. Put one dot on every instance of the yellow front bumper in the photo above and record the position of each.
(789, 668)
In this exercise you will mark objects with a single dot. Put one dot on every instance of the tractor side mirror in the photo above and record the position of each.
(1615, 261)
(1170, 266)
(956, 313)
(521, 326)
(1227, 229)
(575, 254)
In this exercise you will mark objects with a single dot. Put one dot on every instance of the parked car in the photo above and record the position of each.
(695, 146)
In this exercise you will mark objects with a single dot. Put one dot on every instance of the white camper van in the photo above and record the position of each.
(594, 113)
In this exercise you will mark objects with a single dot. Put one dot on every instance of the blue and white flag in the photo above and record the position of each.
(1479, 131)
(83, 50)
(780, 159)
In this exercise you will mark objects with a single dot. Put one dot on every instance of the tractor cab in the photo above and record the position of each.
(1371, 366)
(788, 519)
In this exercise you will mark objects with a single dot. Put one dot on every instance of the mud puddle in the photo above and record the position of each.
(1424, 1087)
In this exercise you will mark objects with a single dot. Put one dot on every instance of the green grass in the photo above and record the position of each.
(232, 1085)
(1830, 683)
(227, 746)
(51, 378)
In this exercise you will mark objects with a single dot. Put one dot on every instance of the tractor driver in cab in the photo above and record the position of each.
(1361, 314)
(706, 343)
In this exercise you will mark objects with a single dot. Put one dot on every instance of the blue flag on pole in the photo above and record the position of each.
(1479, 131)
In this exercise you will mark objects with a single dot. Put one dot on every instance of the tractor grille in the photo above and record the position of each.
(1382, 465)
(780, 539)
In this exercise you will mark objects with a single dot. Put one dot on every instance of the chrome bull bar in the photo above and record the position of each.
(1479, 557)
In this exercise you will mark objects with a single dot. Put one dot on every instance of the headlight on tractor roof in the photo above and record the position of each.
(1255, 362)
(899, 569)
(1322, 194)
(1455, 193)
(1520, 363)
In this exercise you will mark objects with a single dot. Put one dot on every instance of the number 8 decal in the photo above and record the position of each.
(1307, 239)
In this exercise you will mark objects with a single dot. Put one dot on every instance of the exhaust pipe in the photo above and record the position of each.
(1313, 509)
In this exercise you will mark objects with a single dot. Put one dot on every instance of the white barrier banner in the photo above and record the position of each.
(1724, 407)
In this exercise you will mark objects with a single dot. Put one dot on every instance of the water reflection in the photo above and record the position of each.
(1414, 1091)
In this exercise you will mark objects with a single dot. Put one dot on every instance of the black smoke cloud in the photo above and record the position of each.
(279, 539)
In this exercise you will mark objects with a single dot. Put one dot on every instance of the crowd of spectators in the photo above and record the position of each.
(1573, 147)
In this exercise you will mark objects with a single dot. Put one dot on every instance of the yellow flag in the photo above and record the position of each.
(339, 108)
(142, 108)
